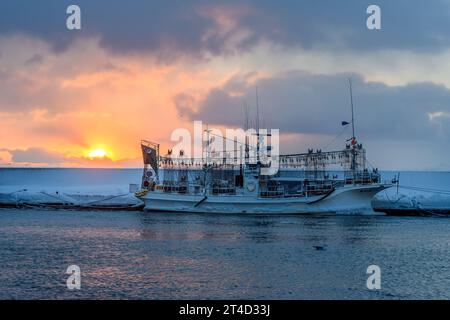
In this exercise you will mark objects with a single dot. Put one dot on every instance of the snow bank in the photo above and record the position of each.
(109, 188)
(111, 198)
(411, 201)
(69, 188)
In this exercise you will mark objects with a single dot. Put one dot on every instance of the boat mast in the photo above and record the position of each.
(351, 103)
(207, 166)
(353, 140)
(257, 126)
(208, 147)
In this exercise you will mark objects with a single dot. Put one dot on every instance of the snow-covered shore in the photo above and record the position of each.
(410, 202)
(420, 193)
(99, 197)
(109, 189)
(407, 202)
(69, 188)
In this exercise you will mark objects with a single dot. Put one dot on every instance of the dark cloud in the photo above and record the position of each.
(172, 28)
(36, 155)
(185, 103)
(301, 102)
(34, 60)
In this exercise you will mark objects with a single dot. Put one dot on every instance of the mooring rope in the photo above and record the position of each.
(105, 199)
(59, 197)
(17, 191)
(398, 199)
(430, 190)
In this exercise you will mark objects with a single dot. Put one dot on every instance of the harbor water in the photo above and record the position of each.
(140, 255)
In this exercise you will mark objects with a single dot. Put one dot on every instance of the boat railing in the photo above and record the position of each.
(177, 189)
(362, 177)
(272, 192)
(318, 187)
(194, 188)
(215, 190)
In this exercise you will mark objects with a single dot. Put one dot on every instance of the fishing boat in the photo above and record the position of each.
(186, 185)
(316, 182)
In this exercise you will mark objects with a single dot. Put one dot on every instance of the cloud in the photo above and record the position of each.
(301, 102)
(21, 91)
(76, 100)
(38, 156)
(142, 69)
(198, 28)
(35, 59)
(33, 77)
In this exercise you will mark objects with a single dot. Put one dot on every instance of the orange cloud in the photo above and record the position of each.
(68, 103)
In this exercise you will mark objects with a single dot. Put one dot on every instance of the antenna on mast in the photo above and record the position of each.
(246, 115)
(353, 139)
(257, 125)
(257, 110)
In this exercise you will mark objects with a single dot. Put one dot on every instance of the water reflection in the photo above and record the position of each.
(188, 256)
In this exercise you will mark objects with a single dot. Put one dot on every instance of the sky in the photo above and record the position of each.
(141, 69)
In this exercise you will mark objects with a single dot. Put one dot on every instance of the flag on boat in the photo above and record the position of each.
(344, 123)
(150, 155)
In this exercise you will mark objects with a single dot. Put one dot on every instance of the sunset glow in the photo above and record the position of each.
(194, 151)
(97, 153)
(86, 99)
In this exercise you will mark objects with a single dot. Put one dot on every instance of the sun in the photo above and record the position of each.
(97, 153)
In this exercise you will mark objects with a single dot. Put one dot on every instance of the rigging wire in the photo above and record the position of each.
(431, 190)
(336, 137)
(398, 197)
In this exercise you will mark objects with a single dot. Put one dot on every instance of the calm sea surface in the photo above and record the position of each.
(138, 255)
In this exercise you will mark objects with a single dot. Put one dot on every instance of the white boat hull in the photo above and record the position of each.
(352, 199)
